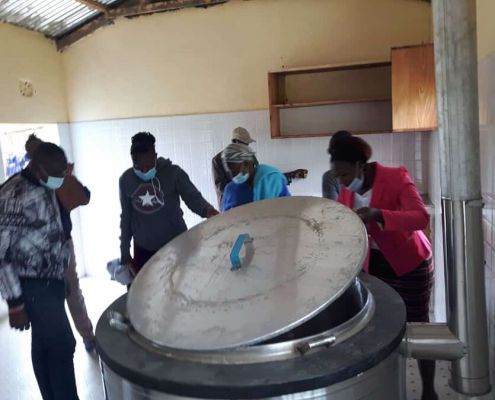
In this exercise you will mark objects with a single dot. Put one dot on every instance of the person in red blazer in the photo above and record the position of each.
(387, 201)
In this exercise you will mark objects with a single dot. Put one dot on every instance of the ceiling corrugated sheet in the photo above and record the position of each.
(50, 17)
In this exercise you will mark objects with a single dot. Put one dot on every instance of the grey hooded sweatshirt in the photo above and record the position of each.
(151, 212)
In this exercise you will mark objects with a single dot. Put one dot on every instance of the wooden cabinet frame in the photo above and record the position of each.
(278, 101)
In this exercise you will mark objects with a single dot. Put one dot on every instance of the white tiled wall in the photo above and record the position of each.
(487, 147)
(101, 153)
(434, 191)
(487, 144)
(66, 142)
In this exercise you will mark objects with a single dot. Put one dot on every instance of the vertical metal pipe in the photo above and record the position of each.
(457, 106)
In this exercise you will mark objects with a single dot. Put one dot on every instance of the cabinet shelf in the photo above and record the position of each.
(327, 68)
(311, 101)
(327, 134)
(328, 102)
(380, 97)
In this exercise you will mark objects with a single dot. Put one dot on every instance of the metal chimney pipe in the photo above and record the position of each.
(458, 126)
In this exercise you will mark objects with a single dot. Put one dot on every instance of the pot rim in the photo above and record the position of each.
(261, 353)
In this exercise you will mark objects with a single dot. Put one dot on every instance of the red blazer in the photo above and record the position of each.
(400, 239)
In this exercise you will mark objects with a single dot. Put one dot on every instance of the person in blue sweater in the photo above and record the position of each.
(251, 181)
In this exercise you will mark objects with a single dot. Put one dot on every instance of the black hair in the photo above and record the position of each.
(47, 152)
(31, 141)
(336, 138)
(32, 137)
(352, 150)
(142, 142)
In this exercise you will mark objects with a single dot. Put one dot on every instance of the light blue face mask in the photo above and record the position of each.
(356, 184)
(145, 176)
(240, 178)
(53, 182)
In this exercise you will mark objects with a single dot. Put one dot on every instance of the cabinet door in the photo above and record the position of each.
(413, 88)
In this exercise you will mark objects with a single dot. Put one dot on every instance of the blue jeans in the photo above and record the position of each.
(53, 344)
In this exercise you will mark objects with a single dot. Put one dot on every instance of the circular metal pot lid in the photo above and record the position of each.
(301, 254)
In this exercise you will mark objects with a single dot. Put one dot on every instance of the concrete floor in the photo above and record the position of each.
(17, 380)
(441, 383)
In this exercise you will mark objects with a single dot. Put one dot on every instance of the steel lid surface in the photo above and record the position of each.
(305, 251)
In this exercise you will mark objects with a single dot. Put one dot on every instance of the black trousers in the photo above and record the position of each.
(53, 344)
(141, 256)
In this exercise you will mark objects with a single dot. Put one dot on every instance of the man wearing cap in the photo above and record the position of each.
(222, 177)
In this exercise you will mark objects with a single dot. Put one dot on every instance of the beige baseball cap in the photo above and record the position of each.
(242, 135)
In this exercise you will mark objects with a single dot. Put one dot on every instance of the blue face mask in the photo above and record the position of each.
(356, 184)
(53, 182)
(240, 178)
(145, 176)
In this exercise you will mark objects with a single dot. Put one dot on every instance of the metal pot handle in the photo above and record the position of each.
(118, 321)
(236, 249)
(304, 347)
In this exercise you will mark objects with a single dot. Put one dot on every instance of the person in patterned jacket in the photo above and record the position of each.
(72, 194)
(34, 253)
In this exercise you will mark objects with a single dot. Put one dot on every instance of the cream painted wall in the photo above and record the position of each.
(486, 27)
(216, 60)
(135, 72)
(28, 55)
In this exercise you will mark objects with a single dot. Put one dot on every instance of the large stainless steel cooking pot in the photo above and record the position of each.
(262, 301)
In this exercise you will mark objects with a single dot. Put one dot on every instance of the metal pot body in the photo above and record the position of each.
(385, 381)
(366, 365)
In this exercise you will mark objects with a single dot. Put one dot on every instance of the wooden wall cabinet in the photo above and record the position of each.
(382, 97)
(317, 101)
(413, 89)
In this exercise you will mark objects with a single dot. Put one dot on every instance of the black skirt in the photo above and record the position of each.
(414, 287)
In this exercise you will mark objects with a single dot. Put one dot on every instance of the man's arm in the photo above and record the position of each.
(10, 285)
(330, 186)
(125, 225)
(11, 221)
(296, 174)
(191, 195)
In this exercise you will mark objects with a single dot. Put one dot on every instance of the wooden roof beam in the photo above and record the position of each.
(160, 6)
(89, 27)
(94, 5)
(127, 10)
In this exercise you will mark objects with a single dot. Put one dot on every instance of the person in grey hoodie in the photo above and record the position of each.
(150, 194)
